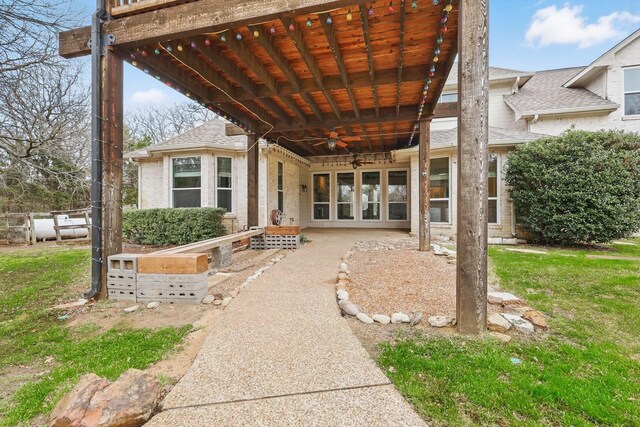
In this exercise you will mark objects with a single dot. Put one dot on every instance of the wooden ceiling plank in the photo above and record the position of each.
(400, 64)
(372, 76)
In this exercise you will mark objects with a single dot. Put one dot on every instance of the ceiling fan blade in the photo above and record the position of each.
(318, 143)
(351, 138)
(341, 144)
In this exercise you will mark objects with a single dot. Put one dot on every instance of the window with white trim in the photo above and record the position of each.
(186, 182)
(280, 186)
(397, 195)
(439, 189)
(371, 195)
(632, 91)
(493, 189)
(224, 186)
(345, 185)
(321, 196)
(449, 97)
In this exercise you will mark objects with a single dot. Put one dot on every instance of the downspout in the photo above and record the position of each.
(96, 150)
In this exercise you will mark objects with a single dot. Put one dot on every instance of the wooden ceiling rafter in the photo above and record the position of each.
(403, 14)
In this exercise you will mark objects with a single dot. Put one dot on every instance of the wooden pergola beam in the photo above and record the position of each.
(400, 63)
(372, 73)
(190, 19)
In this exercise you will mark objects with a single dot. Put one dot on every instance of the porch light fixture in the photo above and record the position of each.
(331, 143)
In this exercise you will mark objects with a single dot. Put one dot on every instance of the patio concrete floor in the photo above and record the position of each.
(281, 353)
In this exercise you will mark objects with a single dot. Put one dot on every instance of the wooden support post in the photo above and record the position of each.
(424, 161)
(112, 146)
(252, 180)
(32, 228)
(56, 227)
(473, 78)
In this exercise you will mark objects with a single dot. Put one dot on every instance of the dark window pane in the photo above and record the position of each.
(280, 176)
(439, 179)
(493, 212)
(371, 195)
(321, 211)
(371, 211)
(345, 211)
(631, 104)
(321, 188)
(186, 172)
(397, 211)
(397, 186)
(281, 201)
(493, 175)
(440, 211)
(224, 200)
(224, 172)
(186, 182)
(186, 198)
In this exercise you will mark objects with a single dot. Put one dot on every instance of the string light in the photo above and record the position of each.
(256, 34)
(349, 15)
(238, 36)
(329, 20)
(180, 48)
(193, 45)
(309, 23)
(414, 4)
(143, 53)
(134, 63)
(371, 11)
(223, 37)
(169, 49)
(156, 51)
(391, 7)
(272, 30)
(207, 42)
(435, 2)
(292, 27)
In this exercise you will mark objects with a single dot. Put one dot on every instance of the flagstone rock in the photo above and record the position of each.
(344, 268)
(521, 325)
(342, 276)
(226, 301)
(364, 318)
(536, 318)
(502, 298)
(129, 401)
(497, 323)
(381, 318)
(343, 302)
(415, 318)
(342, 294)
(153, 305)
(131, 309)
(441, 321)
(72, 407)
(208, 299)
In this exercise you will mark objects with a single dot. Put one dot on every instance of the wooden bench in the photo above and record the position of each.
(219, 249)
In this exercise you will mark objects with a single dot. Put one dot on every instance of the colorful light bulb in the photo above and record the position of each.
(391, 7)
(193, 45)
(180, 48)
(238, 36)
(414, 4)
(292, 27)
(444, 28)
(439, 40)
(272, 30)
(207, 42)
(223, 37)
(169, 49)
(448, 8)
(349, 15)
(371, 11)
(156, 51)
(309, 23)
(134, 63)
(436, 1)
(256, 34)
(143, 53)
(329, 20)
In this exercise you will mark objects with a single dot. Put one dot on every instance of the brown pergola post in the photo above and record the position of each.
(112, 146)
(473, 76)
(252, 180)
(424, 159)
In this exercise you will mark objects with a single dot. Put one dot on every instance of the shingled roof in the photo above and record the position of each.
(208, 135)
(544, 93)
(495, 73)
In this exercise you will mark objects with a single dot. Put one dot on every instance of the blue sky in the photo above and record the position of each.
(527, 35)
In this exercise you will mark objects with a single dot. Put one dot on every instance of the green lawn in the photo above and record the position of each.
(31, 282)
(586, 372)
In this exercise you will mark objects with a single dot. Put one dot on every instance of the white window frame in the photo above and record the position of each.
(624, 92)
(279, 190)
(231, 189)
(179, 189)
(441, 199)
(498, 188)
(354, 204)
(359, 201)
(448, 93)
(330, 202)
(408, 202)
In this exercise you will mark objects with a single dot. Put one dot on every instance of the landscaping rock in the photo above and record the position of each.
(344, 268)
(381, 318)
(131, 309)
(351, 309)
(501, 337)
(364, 318)
(342, 276)
(73, 304)
(497, 323)
(226, 301)
(233, 293)
(415, 318)
(152, 305)
(521, 325)
(502, 298)
(217, 302)
(340, 287)
(536, 318)
(441, 321)
(128, 401)
(71, 409)
(400, 317)
(218, 296)
(342, 294)
(209, 299)
(343, 302)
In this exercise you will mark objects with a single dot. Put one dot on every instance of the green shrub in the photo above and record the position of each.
(579, 187)
(172, 226)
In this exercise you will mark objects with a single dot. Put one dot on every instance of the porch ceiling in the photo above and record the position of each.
(292, 73)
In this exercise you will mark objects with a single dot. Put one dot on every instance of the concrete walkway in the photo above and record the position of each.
(282, 355)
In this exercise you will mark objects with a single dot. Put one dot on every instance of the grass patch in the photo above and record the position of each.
(586, 372)
(32, 281)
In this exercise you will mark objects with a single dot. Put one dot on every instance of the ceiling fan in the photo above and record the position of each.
(336, 140)
(359, 161)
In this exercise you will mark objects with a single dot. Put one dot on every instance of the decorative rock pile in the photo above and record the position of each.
(517, 315)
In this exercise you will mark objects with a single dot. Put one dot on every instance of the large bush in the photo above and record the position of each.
(579, 187)
(172, 226)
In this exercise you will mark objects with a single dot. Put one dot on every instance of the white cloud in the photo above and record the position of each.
(567, 25)
(149, 97)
